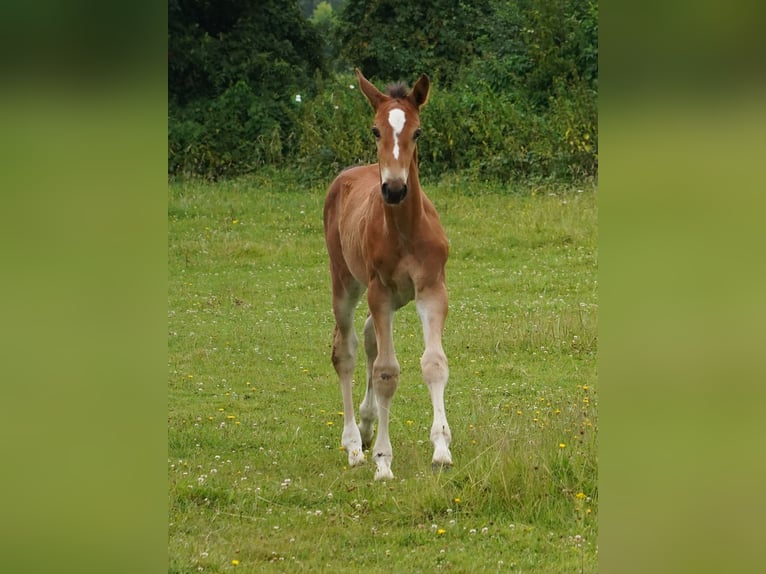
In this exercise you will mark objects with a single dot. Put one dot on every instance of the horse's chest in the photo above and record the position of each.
(398, 277)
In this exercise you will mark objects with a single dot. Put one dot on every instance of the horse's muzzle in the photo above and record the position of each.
(394, 192)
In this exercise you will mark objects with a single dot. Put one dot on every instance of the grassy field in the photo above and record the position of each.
(257, 481)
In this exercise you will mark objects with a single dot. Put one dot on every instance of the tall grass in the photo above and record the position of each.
(256, 477)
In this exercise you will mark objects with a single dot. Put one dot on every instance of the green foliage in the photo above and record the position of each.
(234, 69)
(308, 7)
(397, 39)
(533, 46)
(473, 128)
(514, 86)
(322, 14)
(235, 132)
(334, 129)
(325, 23)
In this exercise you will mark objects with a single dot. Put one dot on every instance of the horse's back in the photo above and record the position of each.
(359, 177)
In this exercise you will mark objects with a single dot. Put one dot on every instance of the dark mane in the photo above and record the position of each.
(398, 90)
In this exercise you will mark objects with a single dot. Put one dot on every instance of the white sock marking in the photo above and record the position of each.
(396, 119)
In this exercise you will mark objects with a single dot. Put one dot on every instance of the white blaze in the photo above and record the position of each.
(396, 119)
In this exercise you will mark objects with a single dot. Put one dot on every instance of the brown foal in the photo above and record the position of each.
(383, 235)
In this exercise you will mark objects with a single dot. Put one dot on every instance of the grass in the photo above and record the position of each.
(257, 481)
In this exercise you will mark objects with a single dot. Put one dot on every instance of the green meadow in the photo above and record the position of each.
(256, 478)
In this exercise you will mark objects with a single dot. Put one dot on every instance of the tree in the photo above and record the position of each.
(325, 21)
(536, 47)
(234, 68)
(398, 39)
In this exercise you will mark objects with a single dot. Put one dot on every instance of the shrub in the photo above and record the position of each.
(233, 72)
(333, 129)
(513, 86)
(472, 127)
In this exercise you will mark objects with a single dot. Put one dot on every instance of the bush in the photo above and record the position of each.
(473, 128)
(517, 101)
(234, 133)
(234, 69)
(333, 129)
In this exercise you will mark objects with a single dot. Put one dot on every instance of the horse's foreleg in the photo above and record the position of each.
(432, 310)
(385, 377)
(368, 410)
(344, 349)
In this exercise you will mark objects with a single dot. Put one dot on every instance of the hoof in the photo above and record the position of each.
(384, 474)
(355, 457)
(383, 467)
(439, 467)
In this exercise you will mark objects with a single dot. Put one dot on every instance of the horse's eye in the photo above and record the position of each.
(416, 135)
(376, 132)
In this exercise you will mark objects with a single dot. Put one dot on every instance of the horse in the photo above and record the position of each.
(384, 236)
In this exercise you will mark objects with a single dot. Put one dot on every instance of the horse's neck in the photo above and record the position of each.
(413, 179)
(405, 217)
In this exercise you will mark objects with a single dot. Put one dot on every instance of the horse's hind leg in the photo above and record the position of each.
(368, 410)
(344, 349)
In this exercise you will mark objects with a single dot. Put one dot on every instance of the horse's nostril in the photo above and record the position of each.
(393, 191)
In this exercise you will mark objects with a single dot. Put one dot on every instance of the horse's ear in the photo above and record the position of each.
(419, 93)
(371, 92)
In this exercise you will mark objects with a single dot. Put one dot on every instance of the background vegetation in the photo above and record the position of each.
(268, 82)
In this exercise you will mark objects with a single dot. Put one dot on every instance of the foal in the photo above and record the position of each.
(384, 235)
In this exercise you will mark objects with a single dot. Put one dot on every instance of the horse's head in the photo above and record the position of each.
(396, 129)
